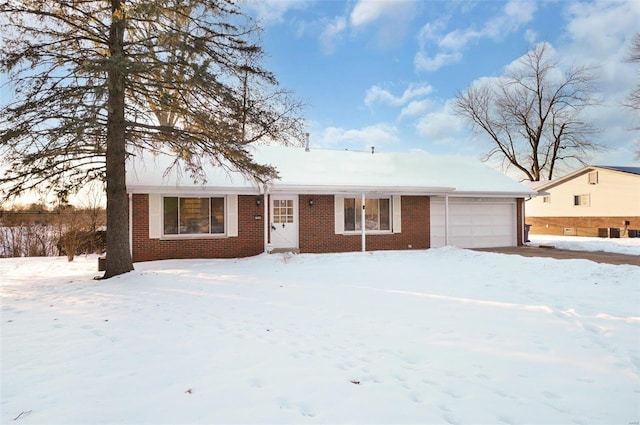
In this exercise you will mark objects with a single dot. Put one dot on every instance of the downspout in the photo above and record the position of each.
(446, 220)
(363, 226)
(131, 224)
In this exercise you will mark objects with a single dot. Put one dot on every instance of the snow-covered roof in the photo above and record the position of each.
(340, 171)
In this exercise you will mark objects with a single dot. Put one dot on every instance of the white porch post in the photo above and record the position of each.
(265, 217)
(130, 224)
(362, 225)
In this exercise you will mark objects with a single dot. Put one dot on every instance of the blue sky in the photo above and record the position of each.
(383, 72)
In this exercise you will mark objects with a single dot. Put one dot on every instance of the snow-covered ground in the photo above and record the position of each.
(436, 336)
(629, 246)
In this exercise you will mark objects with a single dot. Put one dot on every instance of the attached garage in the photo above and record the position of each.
(474, 222)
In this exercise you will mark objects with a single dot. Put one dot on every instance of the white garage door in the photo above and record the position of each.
(474, 222)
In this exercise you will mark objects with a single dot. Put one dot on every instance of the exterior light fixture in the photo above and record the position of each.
(310, 202)
(258, 201)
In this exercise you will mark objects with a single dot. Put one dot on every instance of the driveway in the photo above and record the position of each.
(564, 254)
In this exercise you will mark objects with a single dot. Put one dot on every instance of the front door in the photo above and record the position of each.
(284, 221)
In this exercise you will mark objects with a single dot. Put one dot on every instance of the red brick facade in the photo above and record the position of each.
(580, 226)
(317, 227)
(316, 231)
(250, 239)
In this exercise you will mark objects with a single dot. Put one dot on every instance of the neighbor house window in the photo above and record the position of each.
(188, 216)
(593, 177)
(581, 200)
(377, 213)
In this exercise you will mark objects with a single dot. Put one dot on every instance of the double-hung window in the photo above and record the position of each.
(189, 216)
(377, 214)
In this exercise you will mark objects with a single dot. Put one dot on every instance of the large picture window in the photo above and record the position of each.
(184, 216)
(377, 213)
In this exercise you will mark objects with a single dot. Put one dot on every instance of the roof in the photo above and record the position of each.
(584, 170)
(631, 170)
(340, 171)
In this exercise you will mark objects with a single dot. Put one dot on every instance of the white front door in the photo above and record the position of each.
(284, 221)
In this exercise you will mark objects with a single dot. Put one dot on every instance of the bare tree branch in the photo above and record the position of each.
(532, 113)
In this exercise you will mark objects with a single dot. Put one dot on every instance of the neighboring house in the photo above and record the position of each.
(593, 201)
(324, 201)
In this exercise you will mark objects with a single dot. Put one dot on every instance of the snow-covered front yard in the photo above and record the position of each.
(436, 336)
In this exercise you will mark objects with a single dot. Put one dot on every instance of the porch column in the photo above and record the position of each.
(265, 218)
(362, 225)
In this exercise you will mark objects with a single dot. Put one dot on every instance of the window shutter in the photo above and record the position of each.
(338, 202)
(397, 213)
(155, 214)
(232, 215)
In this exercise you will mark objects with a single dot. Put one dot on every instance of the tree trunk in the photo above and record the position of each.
(118, 251)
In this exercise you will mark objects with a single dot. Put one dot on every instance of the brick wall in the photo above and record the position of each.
(316, 225)
(582, 226)
(317, 228)
(250, 239)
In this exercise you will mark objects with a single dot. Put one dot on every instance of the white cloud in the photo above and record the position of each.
(423, 62)
(531, 36)
(378, 94)
(273, 11)
(377, 135)
(515, 14)
(442, 127)
(368, 11)
(600, 32)
(331, 33)
(456, 40)
(390, 16)
(430, 32)
(416, 107)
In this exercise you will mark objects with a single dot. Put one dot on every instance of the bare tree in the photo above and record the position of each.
(97, 80)
(532, 114)
(633, 100)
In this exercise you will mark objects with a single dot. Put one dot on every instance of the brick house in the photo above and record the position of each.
(592, 201)
(324, 201)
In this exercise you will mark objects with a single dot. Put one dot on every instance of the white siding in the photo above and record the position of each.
(615, 194)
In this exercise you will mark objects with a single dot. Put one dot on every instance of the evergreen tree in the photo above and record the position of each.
(98, 80)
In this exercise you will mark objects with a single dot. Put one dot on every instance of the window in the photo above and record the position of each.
(546, 199)
(283, 210)
(184, 216)
(593, 177)
(581, 200)
(376, 214)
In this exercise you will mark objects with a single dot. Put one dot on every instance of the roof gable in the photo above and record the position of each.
(584, 170)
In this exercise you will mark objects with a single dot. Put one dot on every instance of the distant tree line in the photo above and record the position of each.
(37, 231)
